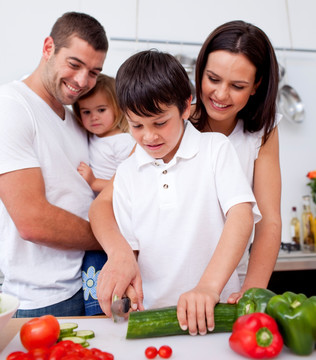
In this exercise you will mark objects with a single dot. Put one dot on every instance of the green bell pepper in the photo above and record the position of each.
(295, 315)
(254, 300)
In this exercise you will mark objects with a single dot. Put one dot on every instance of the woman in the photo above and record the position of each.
(236, 87)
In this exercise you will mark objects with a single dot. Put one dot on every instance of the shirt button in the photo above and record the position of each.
(165, 186)
(165, 172)
(157, 164)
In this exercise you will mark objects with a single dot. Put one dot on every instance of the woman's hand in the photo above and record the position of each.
(195, 310)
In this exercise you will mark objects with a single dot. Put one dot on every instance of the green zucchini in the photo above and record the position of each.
(164, 321)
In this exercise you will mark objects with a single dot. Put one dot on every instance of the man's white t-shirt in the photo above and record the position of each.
(174, 213)
(31, 136)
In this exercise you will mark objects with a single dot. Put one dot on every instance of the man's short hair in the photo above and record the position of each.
(81, 25)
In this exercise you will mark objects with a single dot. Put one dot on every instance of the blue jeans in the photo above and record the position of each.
(92, 264)
(70, 307)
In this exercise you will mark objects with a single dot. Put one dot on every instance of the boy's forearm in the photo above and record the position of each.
(230, 248)
(103, 223)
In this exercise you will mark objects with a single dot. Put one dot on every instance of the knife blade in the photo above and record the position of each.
(120, 308)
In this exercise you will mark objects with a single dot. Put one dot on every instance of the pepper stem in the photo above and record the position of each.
(264, 337)
(295, 304)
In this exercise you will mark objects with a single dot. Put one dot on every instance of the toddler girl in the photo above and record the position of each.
(109, 144)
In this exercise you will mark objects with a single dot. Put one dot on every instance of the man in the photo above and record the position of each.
(44, 200)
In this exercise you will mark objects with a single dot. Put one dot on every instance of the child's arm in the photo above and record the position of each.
(86, 172)
(121, 268)
(195, 308)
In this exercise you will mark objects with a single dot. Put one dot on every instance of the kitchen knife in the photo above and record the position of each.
(120, 308)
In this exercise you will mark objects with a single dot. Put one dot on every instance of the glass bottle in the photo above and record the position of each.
(295, 227)
(307, 223)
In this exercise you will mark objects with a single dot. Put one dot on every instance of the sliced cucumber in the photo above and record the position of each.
(75, 339)
(85, 334)
(67, 332)
(67, 328)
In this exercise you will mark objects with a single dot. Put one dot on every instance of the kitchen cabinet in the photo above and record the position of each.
(294, 271)
(297, 281)
(118, 17)
(188, 21)
(302, 23)
(23, 28)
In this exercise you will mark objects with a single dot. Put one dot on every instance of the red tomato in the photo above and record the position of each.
(165, 352)
(151, 352)
(40, 332)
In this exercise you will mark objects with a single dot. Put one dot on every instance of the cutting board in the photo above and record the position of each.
(110, 337)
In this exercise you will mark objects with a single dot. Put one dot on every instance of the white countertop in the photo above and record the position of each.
(111, 337)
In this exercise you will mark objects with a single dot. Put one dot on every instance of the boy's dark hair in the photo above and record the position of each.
(239, 37)
(150, 79)
(81, 25)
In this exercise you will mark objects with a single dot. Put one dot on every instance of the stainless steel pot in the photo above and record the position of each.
(290, 104)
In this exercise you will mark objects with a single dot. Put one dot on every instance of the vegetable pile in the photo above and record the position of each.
(294, 314)
(63, 350)
(260, 323)
(46, 339)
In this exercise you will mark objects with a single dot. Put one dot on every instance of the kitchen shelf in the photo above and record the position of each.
(295, 260)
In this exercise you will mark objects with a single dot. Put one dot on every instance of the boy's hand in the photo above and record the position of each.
(85, 171)
(118, 273)
(195, 310)
(234, 297)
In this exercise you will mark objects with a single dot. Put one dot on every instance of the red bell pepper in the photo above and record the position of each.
(256, 336)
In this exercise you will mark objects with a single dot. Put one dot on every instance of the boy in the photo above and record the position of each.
(181, 200)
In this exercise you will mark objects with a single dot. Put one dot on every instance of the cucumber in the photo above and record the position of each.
(85, 334)
(67, 328)
(75, 339)
(164, 321)
(79, 337)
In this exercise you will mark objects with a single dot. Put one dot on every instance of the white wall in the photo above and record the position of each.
(180, 26)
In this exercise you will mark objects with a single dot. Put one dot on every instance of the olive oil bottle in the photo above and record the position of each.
(295, 228)
(307, 224)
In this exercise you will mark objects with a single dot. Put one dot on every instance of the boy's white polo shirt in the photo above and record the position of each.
(174, 213)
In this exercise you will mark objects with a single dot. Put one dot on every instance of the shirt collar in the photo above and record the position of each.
(188, 148)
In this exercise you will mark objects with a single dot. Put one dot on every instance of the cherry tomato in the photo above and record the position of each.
(57, 352)
(151, 352)
(165, 352)
(17, 355)
(39, 354)
(105, 356)
(40, 332)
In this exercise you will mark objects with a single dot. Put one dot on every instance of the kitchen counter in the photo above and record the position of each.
(111, 337)
(295, 260)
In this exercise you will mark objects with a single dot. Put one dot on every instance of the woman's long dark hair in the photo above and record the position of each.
(239, 37)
